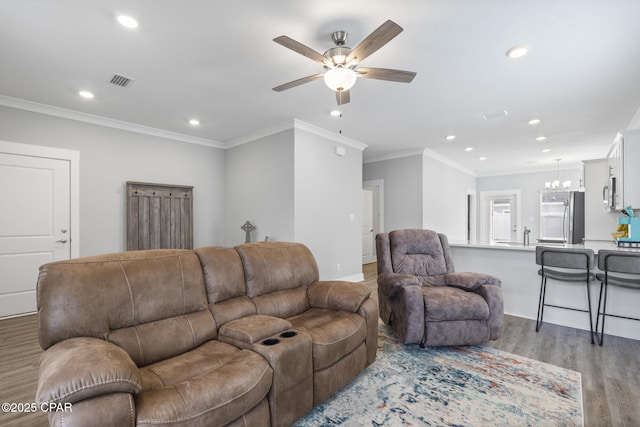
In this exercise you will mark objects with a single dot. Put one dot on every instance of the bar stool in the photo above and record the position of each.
(569, 259)
(618, 262)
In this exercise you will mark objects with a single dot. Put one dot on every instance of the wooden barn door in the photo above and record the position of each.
(159, 216)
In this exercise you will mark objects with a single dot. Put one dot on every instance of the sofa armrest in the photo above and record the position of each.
(470, 281)
(337, 295)
(80, 368)
(250, 329)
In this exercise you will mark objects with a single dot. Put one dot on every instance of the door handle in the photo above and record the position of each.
(61, 241)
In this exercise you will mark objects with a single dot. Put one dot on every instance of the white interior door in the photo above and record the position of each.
(501, 216)
(368, 252)
(34, 225)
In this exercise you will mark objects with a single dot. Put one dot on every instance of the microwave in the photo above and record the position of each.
(609, 195)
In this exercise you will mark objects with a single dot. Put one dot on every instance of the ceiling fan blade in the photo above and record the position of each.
(374, 41)
(386, 74)
(298, 82)
(298, 47)
(343, 97)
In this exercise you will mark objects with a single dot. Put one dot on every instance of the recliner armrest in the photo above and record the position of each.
(337, 295)
(81, 368)
(470, 281)
(391, 282)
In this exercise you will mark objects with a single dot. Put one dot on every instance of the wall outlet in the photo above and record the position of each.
(338, 267)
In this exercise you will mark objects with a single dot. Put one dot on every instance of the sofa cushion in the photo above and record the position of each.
(154, 341)
(276, 266)
(93, 296)
(212, 384)
(224, 280)
(417, 252)
(223, 273)
(282, 303)
(443, 303)
(334, 333)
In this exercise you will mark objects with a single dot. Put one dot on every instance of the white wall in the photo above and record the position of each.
(108, 158)
(328, 203)
(444, 192)
(402, 190)
(530, 186)
(259, 183)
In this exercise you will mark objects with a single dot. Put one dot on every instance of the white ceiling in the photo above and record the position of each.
(216, 61)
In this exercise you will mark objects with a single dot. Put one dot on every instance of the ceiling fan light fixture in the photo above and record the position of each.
(127, 21)
(340, 78)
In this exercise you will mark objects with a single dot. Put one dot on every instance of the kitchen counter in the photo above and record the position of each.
(516, 266)
(596, 245)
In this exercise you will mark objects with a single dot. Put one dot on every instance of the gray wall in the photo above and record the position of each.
(422, 192)
(108, 158)
(259, 186)
(328, 204)
(293, 187)
(445, 191)
(402, 190)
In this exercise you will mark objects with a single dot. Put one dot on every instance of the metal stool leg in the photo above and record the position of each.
(589, 302)
(543, 291)
(600, 335)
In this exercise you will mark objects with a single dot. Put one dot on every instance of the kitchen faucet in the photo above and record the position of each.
(525, 236)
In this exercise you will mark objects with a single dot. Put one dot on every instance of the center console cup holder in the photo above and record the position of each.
(288, 334)
(270, 341)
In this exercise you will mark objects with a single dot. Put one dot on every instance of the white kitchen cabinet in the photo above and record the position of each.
(598, 223)
(623, 164)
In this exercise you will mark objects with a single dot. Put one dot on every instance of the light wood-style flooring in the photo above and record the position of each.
(610, 374)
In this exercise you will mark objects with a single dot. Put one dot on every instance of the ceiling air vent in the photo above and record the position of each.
(121, 81)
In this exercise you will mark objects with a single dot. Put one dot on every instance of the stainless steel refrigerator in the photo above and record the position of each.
(561, 217)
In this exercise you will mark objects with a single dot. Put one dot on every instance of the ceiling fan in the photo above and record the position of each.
(341, 62)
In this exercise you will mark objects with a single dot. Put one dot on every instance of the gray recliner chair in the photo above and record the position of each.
(425, 301)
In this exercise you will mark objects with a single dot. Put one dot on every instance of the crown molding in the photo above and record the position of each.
(335, 137)
(294, 124)
(65, 113)
(392, 156)
(447, 161)
(262, 133)
(421, 152)
(50, 110)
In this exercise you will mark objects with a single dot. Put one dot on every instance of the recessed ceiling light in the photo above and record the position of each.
(482, 158)
(86, 94)
(127, 21)
(451, 137)
(335, 113)
(541, 138)
(496, 115)
(534, 121)
(546, 150)
(194, 122)
(468, 149)
(517, 52)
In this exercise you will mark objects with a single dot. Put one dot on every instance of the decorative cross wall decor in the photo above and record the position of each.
(248, 228)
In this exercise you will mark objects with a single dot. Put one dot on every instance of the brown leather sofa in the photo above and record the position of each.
(244, 336)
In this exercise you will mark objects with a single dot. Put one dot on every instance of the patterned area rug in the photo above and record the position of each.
(453, 386)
